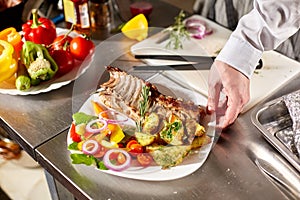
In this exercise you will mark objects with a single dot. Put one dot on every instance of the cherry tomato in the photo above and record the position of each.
(131, 142)
(144, 159)
(134, 147)
(80, 47)
(74, 136)
(61, 42)
(64, 60)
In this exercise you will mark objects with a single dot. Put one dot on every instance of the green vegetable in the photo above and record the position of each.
(23, 80)
(178, 32)
(101, 165)
(169, 128)
(78, 158)
(82, 118)
(40, 65)
(35, 81)
(143, 106)
(73, 146)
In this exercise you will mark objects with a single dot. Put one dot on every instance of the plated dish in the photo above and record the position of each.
(171, 155)
(8, 87)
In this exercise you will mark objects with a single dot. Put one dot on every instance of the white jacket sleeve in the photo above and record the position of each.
(270, 23)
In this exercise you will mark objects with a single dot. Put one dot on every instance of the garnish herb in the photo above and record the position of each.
(175, 126)
(143, 106)
(178, 32)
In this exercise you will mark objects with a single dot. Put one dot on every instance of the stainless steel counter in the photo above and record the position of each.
(39, 123)
(32, 120)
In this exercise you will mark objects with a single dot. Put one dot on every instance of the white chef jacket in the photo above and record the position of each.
(270, 23)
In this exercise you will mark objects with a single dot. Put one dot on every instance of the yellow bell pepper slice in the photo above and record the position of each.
(8, 65)
(14, 38)
(117, 133)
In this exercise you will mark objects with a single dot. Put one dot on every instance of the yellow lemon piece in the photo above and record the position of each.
(136, 28)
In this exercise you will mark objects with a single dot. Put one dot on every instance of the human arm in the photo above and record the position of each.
(264, 28)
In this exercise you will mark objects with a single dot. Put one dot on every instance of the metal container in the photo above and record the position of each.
(275, 123)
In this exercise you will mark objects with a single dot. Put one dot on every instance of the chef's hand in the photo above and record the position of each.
(228, 92)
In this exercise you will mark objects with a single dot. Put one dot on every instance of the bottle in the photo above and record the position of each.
(101, 17)
(77, 13)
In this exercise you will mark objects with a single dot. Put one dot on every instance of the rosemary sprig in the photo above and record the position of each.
(143, 106)
(178, 32)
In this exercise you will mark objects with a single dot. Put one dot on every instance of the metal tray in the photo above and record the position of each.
(275, 123)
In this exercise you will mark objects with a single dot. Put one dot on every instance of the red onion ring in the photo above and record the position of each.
(115, 117)
(107, 162)
(90, 147)
(96, 130)
(197, 28)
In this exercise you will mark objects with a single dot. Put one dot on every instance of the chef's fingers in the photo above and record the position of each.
(236, 99)
(234, 107)
(214, 89)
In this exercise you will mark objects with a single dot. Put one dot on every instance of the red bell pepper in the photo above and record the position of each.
(39, 30)
(74, 136)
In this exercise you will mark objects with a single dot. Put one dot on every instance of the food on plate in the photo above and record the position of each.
(8, 64)
(39, 30)
(136, 28)
(61, 42)
(131, 115)
(14, 38)
(64, 61)
(44, 58)
(23, 81)
(81, 47)
(40, 65)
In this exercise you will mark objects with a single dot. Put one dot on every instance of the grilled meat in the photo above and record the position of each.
(122, 93)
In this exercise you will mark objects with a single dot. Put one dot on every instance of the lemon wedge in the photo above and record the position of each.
(136, 28)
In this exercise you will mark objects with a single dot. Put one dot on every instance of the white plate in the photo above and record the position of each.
(8, 87)
(154, 173)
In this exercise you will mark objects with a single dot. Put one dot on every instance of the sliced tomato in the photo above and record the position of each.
(101, 152)
(144, 159)
(74, 136)
(134, 147)
(117, 157)
(121, 158)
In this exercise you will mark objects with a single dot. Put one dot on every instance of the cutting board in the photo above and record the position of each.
(277, 68)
